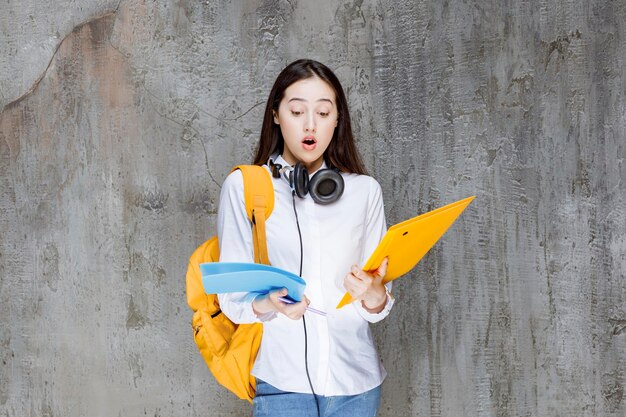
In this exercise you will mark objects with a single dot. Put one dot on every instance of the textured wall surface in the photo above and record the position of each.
(120, 119)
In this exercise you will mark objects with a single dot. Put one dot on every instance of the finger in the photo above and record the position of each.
(291, 302)
(279, 293)
(362, 281)
(356, 271)
(289, 308)
(350, 281)
(350, 288)
(295, 311)
(365, 277)
(354, 286)
(382, 269)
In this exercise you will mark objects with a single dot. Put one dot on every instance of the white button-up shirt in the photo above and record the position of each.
(342, 358)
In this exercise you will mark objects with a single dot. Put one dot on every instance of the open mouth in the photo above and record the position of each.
(309, 143)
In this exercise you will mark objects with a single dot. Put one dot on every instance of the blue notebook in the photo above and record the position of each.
(224, 277)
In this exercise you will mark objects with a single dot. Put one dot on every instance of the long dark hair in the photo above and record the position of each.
(341, 152)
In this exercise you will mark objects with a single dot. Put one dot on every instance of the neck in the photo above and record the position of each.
(310, 166)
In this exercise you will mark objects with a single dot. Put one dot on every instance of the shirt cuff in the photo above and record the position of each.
(238, 308)
(376, 317)
(249, 298)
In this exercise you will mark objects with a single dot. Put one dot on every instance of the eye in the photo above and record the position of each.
(324, 114)
(296, 113)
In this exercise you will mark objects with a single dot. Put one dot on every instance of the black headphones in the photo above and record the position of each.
(325, 187)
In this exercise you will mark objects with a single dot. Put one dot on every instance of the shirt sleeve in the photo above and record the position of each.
(234, 233)
(375, 228)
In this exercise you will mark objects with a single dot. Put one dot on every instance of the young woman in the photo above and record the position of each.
(310, 364)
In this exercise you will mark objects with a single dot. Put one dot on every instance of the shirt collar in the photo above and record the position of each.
(278, 159)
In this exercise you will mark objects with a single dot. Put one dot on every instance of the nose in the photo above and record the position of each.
(309, 123)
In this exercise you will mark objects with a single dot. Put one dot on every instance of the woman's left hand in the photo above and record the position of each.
(368, 287)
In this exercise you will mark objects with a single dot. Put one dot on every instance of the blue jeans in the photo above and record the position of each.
(272, 402)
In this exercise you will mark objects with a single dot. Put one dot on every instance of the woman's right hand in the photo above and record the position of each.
(270, 302)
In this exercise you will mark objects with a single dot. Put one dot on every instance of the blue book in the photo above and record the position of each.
(224, 277)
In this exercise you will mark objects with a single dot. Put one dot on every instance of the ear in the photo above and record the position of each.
(275, 117)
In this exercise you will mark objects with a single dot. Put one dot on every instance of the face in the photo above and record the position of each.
(307, 116)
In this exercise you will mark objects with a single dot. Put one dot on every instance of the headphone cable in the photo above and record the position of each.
(306, 361)
(293, 198)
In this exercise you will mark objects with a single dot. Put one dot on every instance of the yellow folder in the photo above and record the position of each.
(407, 242)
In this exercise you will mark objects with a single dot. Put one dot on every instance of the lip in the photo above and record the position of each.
(309, 146)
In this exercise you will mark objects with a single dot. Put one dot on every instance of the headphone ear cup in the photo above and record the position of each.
(299, 180)
(326, 186)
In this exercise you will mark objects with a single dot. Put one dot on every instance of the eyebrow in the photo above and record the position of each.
(306, 101)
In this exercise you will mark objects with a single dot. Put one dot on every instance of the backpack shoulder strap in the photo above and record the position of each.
(258, 191)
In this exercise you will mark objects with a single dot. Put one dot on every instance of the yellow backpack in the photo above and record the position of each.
(230, 349)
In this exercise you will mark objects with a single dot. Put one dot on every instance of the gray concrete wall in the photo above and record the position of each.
(119, 120)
